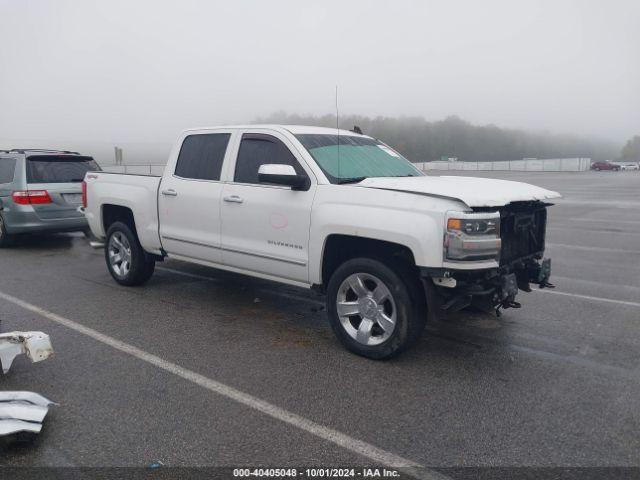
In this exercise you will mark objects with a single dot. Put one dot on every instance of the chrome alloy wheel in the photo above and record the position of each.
(366, 308)
(119, 254)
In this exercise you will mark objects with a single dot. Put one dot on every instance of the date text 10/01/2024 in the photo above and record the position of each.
(317, 472)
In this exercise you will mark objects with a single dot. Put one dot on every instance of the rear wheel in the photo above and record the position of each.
(127, 261)
(5, 239)
(376, 311)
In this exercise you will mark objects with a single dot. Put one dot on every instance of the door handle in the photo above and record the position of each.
(233, 199)
(170, 193)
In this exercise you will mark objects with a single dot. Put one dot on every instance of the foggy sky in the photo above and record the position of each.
(141, 71)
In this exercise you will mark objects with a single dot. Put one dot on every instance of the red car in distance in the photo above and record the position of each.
(604, 166)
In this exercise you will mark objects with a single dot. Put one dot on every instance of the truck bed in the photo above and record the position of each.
(139, 193)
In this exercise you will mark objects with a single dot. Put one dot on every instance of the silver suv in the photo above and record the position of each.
(40, 191)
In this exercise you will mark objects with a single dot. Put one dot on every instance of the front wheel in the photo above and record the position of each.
(126, 260)
(376, 311)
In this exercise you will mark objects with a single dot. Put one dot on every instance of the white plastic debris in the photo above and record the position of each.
(9, 426)
(25, 397)
(35, 345)
(22, 412)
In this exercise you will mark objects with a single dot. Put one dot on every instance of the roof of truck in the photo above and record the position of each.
(295, 129)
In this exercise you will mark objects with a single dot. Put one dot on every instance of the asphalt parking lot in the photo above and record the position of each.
(556, 383)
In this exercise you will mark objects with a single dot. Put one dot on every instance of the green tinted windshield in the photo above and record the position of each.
(355, 157)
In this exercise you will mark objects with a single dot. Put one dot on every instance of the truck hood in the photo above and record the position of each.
(475, 192)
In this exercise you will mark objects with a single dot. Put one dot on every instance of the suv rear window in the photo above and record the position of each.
(58, 168)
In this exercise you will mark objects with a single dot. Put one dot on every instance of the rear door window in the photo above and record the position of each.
(201, 156)
(7, 169)
(59, 168)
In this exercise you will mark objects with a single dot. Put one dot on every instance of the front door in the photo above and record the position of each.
(265, 228)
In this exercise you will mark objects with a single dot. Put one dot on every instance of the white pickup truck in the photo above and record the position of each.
(333, 210)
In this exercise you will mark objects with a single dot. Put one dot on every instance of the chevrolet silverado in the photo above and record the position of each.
(333, 210)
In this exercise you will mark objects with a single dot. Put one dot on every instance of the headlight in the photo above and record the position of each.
(472, 236)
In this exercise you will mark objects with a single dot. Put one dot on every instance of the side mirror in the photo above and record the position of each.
(280, 174)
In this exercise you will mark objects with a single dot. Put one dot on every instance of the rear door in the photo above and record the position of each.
(61, 177)
(189, 198)
(265, 228)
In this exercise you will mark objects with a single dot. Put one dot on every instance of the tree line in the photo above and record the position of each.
(421, 140)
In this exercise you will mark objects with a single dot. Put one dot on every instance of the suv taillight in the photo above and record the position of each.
(84, 194)
(31, 197)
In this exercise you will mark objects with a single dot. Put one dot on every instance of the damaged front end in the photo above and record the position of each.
(512, 236)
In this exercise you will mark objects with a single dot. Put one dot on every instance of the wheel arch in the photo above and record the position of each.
(338, 248)
(111, 213)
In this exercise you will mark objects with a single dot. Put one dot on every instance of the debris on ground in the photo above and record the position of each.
(35, 345)
(22, 412)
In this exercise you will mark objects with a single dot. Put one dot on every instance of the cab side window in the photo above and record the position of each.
(259, 149)
(201, 156)
(7, 169)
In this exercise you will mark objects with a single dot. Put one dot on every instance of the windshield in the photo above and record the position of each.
(355, 157)
(58, 168)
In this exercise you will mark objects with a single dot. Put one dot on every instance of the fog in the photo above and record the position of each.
(93, 74)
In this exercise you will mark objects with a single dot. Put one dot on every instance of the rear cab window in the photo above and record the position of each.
(58, 168)
(202, 155)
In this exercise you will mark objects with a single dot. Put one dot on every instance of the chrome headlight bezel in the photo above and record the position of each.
(472, 236)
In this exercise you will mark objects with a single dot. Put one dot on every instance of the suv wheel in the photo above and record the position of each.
(5, 238)
(376, 311)
(127, 262)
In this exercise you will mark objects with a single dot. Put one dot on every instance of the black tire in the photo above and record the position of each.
(409, 303)
(6, 240)
(141, 265)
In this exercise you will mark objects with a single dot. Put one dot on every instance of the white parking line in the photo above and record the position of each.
(589, 297)
(375, 454)
(590, 249)
(584, 229)
(605, 220)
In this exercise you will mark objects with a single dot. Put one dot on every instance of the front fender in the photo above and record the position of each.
(418, 228)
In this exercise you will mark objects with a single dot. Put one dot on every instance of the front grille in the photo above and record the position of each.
(522, 230)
